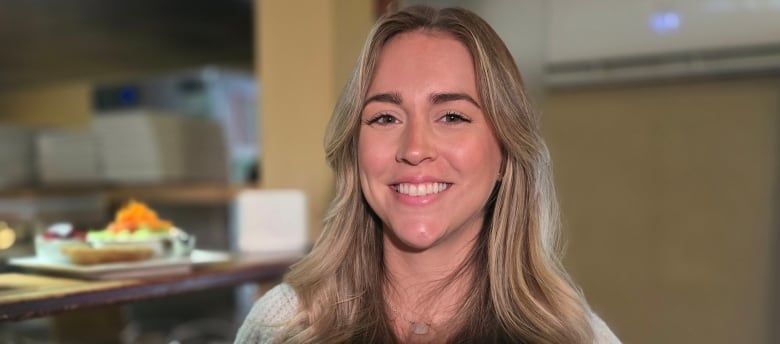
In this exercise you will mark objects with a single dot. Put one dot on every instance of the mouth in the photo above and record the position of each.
(420, 189)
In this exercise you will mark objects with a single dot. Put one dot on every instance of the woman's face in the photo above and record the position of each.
(427, 156)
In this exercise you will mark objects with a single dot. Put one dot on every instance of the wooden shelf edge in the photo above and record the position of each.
(169, 193)
(177, 193)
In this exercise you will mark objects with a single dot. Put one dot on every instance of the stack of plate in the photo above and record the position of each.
(67, 157)
(16, 156)
(146, 146)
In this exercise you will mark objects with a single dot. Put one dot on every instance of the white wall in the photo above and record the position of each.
(586, 30)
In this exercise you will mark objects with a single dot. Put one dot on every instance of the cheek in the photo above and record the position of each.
(370, 166)
(481, 157)
(370, 160)
(364, 157)
(374, 152)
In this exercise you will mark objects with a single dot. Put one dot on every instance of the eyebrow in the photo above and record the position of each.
(393, 98)
(436, 98)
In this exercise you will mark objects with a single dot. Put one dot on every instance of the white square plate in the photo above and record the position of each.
(148, 268)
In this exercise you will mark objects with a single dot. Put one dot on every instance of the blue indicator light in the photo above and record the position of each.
(665, 22)
(128, 95)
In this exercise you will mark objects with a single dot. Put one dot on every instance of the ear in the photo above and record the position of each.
(501, 168)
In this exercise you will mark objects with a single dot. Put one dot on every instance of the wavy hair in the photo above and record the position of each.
(523, 294)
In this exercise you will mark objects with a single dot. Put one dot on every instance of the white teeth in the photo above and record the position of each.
(420, 189)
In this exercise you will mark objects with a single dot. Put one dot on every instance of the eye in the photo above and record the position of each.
(454, 117)
(382, 119)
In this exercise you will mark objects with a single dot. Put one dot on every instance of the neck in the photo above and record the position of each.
(406, 268)
(420, 288)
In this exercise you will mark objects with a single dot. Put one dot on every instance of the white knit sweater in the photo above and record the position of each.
(271, 312)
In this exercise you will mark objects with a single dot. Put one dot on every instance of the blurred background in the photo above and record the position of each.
(662, 117)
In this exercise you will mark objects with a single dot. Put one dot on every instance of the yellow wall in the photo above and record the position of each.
(64, 104)
(306, 50)
(668, 194)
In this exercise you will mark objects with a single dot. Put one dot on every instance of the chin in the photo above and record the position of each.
(418, 240)
(416, 246)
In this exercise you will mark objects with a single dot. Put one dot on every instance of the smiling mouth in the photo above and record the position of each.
(423, 189)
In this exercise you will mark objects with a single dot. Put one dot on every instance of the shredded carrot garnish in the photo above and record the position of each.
(136, 214)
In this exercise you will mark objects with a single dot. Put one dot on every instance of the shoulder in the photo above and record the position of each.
(269, 315)
(602, 333)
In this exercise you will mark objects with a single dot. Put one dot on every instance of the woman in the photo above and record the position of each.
(444, 225)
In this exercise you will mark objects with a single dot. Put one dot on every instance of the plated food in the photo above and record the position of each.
(134, 222)
(135, 234)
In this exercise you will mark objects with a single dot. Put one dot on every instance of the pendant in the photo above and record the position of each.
(419, 328)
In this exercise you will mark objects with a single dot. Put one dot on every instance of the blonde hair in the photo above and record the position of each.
(523, 293)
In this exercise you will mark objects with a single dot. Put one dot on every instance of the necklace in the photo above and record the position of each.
(420, 328)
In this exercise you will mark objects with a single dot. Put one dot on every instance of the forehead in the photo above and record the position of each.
(422, 35)
(424, 58)
(423, 42)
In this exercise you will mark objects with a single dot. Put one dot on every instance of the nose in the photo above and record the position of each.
(417, 144)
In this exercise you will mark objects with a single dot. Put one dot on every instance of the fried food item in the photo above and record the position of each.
(85, 255)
